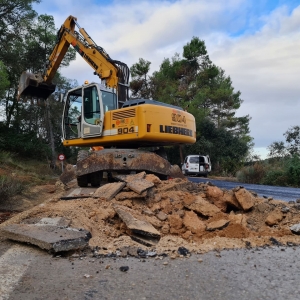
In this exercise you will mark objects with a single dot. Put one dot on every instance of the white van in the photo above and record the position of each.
(196, 165)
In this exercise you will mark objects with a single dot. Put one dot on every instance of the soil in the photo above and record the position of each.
(199, 217)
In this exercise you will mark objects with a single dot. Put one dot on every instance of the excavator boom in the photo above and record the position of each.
(115, 74)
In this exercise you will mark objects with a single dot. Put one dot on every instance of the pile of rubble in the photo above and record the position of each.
(142, 211)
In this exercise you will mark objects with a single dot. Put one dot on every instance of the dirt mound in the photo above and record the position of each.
(170, 214)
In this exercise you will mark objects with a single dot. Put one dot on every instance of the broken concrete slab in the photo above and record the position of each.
(139, 227)
(203, 207)
(161, 216)
(131, 196)
(220, 224)
(69, 174)
(79, 193)
(215, 195)
(129, 250)
(244, 198)
(58, 221)
(109, 190)
(48, 237)
(130, 177)
(148, 242)
(230, 200)
(274, 218)
(295, 229)
(140, 185)
(193, 223)
(176, 172)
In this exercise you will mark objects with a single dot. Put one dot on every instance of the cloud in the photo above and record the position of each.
(265, 66)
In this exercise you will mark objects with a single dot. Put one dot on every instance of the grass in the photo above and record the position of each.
(17, 174)
(10, 187)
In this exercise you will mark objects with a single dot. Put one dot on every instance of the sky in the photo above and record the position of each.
(256, 43)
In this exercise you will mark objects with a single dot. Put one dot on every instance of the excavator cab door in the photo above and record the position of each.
(83, 113)
(92, 112)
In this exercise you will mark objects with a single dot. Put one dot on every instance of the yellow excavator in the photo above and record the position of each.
(100, 114)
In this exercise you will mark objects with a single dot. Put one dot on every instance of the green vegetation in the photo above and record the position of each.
(18, 173)
(283, 166)
(10, 187)
(194, 83)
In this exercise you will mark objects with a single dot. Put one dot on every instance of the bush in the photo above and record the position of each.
(9, 187)
(275, 177)
(6, 157)
(292, 171)
(251, 174)
(25, 144)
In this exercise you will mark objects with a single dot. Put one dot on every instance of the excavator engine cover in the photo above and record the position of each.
(32, 85)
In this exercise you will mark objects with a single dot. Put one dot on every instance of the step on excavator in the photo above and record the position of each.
(101, 116)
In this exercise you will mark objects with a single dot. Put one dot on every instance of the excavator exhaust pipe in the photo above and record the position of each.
(33, 86)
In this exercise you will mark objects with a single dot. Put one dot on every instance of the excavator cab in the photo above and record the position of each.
(84, 110)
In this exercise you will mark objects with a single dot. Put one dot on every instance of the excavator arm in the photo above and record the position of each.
(114, 73)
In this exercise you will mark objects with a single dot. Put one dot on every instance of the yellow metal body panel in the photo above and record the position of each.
(143, 125)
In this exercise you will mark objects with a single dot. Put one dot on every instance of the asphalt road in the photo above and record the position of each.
(265, 273)
(277, 192)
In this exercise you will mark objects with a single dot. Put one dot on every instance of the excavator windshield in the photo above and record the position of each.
(84, 110)
(109, 101)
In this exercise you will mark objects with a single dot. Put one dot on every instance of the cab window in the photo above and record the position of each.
(109, 101)
(91, 106)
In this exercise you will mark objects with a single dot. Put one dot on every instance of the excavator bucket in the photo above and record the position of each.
(33, 86)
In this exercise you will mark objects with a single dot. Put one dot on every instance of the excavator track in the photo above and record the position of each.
(90, 167)
(124, 161)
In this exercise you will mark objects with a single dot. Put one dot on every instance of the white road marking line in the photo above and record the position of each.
(13, 264)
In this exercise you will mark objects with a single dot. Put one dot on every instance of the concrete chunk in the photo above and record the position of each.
(109, 190)
(295, 229)
(130, 177)
(139, 186)
(69, 174)
(58, 221)
(139, 227)
(131, 196)
(48, 237)
(244, 198)
(148, 242)
(79, 193)
(220, 224)
(203, 207)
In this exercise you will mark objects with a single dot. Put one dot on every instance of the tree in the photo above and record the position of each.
(292, 137)
(277, 150)
(227, 151)
(15, 18)
(31, 50)
(194, 83)
(290, 147)
(139, 84)
(4, 82)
